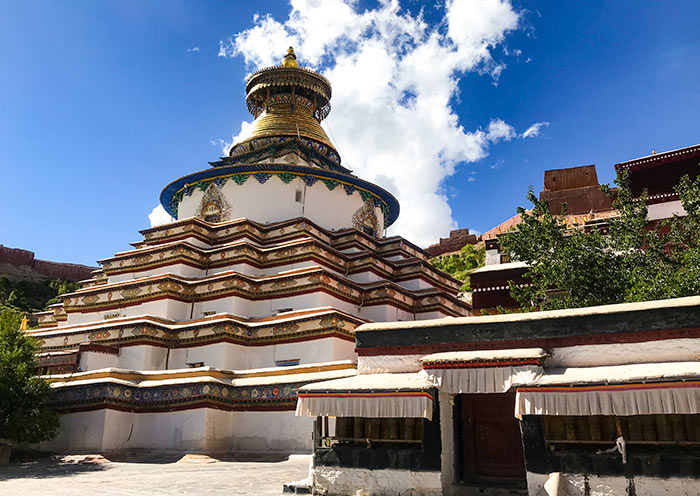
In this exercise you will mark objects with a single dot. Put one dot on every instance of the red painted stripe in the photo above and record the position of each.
(479, 365)
(387, 394)
(611, 387)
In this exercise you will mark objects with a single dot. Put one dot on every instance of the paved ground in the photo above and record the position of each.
(153, 474)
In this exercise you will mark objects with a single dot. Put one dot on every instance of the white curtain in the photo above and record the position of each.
(481, 380)
(636, 400)
(376, 405)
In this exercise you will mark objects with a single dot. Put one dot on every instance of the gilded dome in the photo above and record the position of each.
(288, 102)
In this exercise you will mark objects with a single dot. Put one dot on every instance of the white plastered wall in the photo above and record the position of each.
(271, 431)
(447, 440)
(270, 306)
(177, 269)
(416, 284)
(175, 310)
(236, 357)
(669, 350)
(385, 313)
(202, 429)
(275, 201)
(381, 364)
(79, 432)
(93, 360)
(614, 486)
(387, 482)
(142, 357)
(665, 210)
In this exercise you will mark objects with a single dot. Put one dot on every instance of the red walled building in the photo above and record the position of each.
(586, 204)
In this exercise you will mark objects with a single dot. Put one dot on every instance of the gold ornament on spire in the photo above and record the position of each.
(290, 60)
(288, 101)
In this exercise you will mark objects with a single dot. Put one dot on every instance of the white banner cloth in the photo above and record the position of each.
(481, 380)
(632, 389)
(483, 371)
(637, 399)
(369, 396)
(377, 406)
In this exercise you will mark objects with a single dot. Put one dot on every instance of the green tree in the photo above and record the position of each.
(632, 261)
(460, 265)
(9, 317)
(33, 295)
(24, 414)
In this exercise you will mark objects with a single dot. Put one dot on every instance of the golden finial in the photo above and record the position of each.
(290, 60)
(23, 324)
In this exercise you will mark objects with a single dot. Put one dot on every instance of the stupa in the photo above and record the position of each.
(199, 337)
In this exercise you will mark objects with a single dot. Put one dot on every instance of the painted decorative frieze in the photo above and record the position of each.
(224, 329)
(167, 398)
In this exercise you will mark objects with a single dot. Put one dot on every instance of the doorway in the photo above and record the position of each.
(491, 444)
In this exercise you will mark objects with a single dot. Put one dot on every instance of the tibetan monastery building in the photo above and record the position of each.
(200, 336)
(587, 208)
(590, 401)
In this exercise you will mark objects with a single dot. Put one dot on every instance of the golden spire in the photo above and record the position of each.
(290, 60)
(288, 101)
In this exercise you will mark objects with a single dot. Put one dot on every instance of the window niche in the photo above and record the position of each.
(213, 207)
(365, 219)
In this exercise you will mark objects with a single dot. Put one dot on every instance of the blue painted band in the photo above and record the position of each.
(177, 186)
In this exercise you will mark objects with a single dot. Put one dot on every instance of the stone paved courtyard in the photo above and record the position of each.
(153, 474)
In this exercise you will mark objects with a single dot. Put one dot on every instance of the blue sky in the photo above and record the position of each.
(104, 103)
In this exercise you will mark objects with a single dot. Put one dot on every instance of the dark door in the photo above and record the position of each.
(491, 436)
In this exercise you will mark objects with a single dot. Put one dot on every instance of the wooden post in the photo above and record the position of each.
(317, 432)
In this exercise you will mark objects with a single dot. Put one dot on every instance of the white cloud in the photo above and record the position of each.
(193, 49)
(395, 79)
(534, 130)
(500, 131)
(159, 216)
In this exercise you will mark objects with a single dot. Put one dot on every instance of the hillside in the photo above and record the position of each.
(28, 284)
